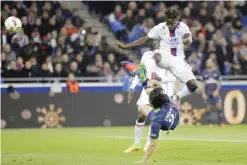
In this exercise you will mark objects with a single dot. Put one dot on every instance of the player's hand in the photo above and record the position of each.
(118, 44)
(186, 41)
(130, 95)
(215, 93)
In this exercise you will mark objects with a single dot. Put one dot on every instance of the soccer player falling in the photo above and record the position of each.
(165, 114)
(173, 35)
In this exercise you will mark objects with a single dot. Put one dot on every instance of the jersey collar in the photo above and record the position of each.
(177, 25)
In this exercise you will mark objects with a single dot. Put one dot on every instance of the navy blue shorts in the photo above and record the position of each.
(213, 100)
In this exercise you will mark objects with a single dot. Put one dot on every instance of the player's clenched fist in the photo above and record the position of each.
(187, 39)
(118, 44)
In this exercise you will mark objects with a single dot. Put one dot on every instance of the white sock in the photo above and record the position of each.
(138, 132)
(184, 92)
(148, 138)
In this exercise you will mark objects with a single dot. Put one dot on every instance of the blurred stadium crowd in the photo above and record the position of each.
(56, 41)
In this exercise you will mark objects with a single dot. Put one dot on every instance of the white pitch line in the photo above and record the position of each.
(177, 139)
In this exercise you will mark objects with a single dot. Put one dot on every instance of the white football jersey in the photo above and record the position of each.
(170, 41)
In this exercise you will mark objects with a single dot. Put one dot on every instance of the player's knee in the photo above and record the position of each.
(218, 106)
(192, 85)
(157, 58)
(141, 118)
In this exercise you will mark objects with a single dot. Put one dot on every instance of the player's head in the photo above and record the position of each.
(171, 18)
(157, 97)
(209, 63)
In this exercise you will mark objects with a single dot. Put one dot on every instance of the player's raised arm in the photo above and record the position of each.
(133, 44)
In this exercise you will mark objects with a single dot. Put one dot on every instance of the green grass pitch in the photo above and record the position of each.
(104, 146)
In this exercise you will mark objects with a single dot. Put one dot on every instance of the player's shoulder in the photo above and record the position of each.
(216, 70)
(182, 24)
(160, 25)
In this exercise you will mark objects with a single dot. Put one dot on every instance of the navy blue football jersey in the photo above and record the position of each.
(211, 79)
(167, 118)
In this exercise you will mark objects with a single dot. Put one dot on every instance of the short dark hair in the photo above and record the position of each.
(157, 97)
(171, 13)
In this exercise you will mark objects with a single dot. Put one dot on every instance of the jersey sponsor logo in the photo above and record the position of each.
(173, 41)
(211, 81)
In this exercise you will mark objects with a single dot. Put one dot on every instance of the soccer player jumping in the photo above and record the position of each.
(173, 35)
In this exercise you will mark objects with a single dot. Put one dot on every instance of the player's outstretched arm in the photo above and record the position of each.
(149, 152)
(133, 44)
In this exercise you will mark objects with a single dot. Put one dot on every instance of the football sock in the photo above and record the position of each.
(138, 132)
(184, 92)
(220, 116)
(209, 117)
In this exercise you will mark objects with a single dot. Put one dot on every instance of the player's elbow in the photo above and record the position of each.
(145, 39)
